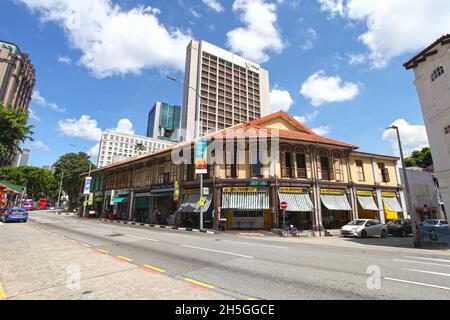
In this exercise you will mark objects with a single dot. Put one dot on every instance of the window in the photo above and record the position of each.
(439, 71)
(231, 162)
(161, 166)
(286, 161)
(360, 170)
(300, 162)
(326, 168)
(338, 166)
(384, 172)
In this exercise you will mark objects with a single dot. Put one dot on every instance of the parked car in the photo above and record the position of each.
(400, 227)
(435, 224)
(14, 214)
(363, 228)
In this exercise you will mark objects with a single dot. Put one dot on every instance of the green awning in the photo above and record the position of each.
(9, 185)
(161, 194)
(120, 199)
(142, 202)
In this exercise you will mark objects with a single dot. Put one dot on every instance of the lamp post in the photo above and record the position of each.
(89, 176)
(197, 136)
(405, 175)
(60, 188)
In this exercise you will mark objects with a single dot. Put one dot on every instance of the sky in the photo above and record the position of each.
(335, 65)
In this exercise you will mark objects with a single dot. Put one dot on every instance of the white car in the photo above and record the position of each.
(363, 228)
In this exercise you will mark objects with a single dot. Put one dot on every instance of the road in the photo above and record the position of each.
(233, 266)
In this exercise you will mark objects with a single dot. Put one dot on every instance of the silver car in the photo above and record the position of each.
(363, 228)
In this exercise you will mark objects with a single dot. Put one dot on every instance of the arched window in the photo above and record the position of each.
(301, 162)
(338, 166)
(286, 161)
(439, 71)
(325, 166)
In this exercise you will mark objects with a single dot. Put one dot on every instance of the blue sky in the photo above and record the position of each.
(336, 64)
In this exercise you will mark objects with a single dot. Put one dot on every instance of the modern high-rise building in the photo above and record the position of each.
(164, 122)
(117, 146)
(229, 89)
(17, 77)
(21, 158)
(432, 72)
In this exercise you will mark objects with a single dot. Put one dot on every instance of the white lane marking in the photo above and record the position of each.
(429, 272)
(223, 252)
(430, 259)
(420, 262)
(141, 238)
(417, 283)
(255, 244)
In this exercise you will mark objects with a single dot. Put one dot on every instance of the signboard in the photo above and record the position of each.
(228, 190)
(389, 194)
(91, 199)
(293, 190)
(113, 197)
(283, 205)
(200, 157)
(365, 193)
(87, 185)
(177, 191)
(202, 202)
(333, 192)
(258, 184)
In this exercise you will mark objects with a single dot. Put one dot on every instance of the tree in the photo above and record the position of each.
(13, 131)
(37, 181)
(73, 165)
(420, 158)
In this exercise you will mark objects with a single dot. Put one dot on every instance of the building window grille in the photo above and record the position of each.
(439, 71)
(360, 170)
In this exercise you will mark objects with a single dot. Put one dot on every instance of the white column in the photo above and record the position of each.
(404, 206)
(131, 206)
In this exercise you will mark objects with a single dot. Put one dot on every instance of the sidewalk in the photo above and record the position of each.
(41, 265)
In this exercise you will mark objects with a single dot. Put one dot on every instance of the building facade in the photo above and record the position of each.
(164, 122)
(229, 89)
(21, 158)
(432, 80)
(17, 77)
(116, 146)
(325, 183)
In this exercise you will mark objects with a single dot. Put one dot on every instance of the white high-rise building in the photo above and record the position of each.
(432, 72)
(231, 90)
(117, 146)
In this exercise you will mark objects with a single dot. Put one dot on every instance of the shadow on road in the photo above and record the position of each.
(393, 242)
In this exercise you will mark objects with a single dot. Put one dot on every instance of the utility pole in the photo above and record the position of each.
(60, 188)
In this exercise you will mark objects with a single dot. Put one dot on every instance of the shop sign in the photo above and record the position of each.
(202, 202)
(389, 194)
(113, 197)
(258, 184)
(192, 191)
(333, 192)
(365, 193)
(91, 199)
(176, 192)
(87, 185)
(242, 190)
(200, 157)
(293, 190)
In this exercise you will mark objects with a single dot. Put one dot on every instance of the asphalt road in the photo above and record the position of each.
(269, 267)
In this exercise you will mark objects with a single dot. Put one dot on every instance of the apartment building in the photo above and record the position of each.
(17, 77)
(431, 69)
(164, 122)
(116, 146)
(229, 90)
(325, 182)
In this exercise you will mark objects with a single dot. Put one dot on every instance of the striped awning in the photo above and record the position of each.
(368, 203)
(297, 202)
(245, 201)
(191, 203)
(392, 204)
(335, 203)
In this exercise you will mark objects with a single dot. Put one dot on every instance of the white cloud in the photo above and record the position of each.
(38, 145)
(40, 100)
(321, 89)
(114, 41)
(311, 36)
(260, 34)
(125, 126)
(307, 117)
(83, 128)
(413, 137)
(280, 100)
(33, 115)
(356, 59)
(214, 5)
(65, 60)
(394, 27)
(322, 130)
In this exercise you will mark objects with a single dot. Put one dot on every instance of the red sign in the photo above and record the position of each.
(284, 205)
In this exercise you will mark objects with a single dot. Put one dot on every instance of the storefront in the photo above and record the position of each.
(142, 205)
(163, 205)
(188, 213)
(392, 206)
(367, 206)
(300, 207)
(336, 209)
(97, 204)
(246, 208)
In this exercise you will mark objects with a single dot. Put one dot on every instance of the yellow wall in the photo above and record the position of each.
(280, 124)
(368, 173)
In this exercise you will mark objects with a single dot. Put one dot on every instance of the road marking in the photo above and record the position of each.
(199, 283)
(102, 251)
(224, 252)
(141, 238)
(252, 299)
(430, 259)
(417, 283)
(124, 258)
(427, 263)
(85, 245)
(430, 272)
(2, 293)
(255, 244)
(154, 268)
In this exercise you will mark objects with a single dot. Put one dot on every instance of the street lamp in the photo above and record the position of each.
(197, 136)
(60, 188)
(89, 176)
(408, 193)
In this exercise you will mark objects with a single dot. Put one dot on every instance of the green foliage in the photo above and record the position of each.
(13, 131)
(73, 166)
(37, 181)
(420, 158)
